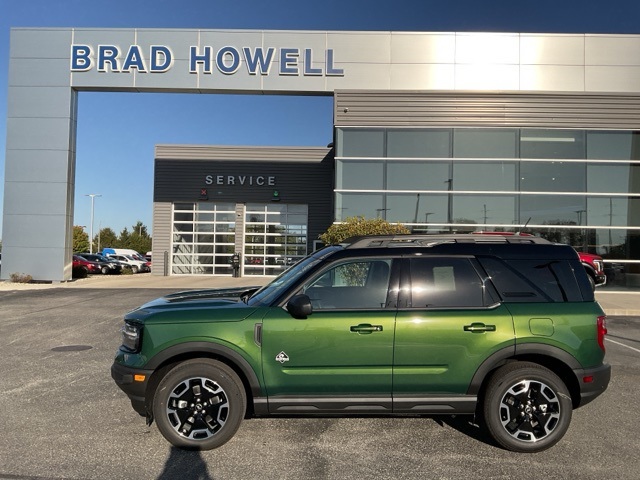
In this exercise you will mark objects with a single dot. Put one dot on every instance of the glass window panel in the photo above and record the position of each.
(415, 175)
(204, 238)
(182, 238)
(553, 209)
(359, 175)
(183, 216)
(613, 145)
(204, 216)
(360, 143)
(225, 217)
(484, 209)
(486, 176)
(183, 206)
(225, 239)
(358, 204)
(224, 249)
(183, 227)
(612, 211)
(552, 177)
(419, 143)
(444, 282)
(430, 208)
(225, 227)
(255, 217)
(555, 144)
(613, 178)
(485, 143)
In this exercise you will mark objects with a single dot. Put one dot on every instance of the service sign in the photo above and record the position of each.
(227, 60)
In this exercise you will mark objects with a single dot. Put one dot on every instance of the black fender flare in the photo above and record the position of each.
(502, 356)
(191, 349)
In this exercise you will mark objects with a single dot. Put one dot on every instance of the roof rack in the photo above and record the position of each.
(426, 240)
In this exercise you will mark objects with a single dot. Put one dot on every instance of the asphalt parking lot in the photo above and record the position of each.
(63, 417)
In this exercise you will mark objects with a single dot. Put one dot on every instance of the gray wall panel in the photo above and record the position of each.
(161, 236)
(423, 77)
(39, 102)
(612, 79)
(423, 47)
(41, 195)
(30, 72)
(417, 109)
(488, 48)
(41, 43)
(487, 77)
(176, 78)
(612, 50)
(361, 47)
(38, 133)
(551, 49)
(33, 231)
(553, 78)
(50, 165)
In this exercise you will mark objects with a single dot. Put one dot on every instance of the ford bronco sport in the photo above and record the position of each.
(503, 328)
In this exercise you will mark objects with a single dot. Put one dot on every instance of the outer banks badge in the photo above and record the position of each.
(282, 357)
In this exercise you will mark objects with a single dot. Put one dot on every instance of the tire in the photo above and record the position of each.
(199, 404)
(527, 408)
(592, 282)
(105, 270)
(134, 268)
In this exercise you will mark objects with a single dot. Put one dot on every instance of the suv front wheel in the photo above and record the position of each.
(527, 407)
(199, 404)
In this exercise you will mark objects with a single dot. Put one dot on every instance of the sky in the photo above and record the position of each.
(117, 132)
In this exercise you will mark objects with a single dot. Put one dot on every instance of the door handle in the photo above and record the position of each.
(366, 328)
(479, 328)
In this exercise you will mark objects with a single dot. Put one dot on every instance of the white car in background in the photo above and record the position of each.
(137, 266)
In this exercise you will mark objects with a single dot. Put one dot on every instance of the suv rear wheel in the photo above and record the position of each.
(527, 407)
(199, 404)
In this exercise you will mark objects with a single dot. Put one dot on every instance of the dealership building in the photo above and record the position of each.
(443, 132)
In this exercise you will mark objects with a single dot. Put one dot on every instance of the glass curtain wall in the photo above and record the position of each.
(580, 187)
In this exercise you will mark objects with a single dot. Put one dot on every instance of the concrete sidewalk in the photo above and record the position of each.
(614, 303)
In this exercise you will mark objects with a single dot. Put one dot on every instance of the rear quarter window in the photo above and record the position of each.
(533, 280)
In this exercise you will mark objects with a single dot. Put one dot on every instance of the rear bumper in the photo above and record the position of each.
(135, 389)
(593, 382)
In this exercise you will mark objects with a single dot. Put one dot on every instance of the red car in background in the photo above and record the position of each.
(81, 262)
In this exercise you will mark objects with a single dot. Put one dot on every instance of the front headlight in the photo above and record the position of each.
(131, 337)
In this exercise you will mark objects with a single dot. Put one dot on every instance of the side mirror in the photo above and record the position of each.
(300, 306)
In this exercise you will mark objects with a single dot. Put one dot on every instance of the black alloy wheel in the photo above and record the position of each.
(199, 404)
(527, 407)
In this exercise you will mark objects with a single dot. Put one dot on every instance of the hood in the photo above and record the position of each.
(196, 304)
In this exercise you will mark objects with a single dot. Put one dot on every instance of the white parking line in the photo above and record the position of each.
(622, 344)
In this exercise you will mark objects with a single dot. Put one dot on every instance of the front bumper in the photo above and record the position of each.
(590, 390)
(125, 378)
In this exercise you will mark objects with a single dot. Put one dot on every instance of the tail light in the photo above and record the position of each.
(602, 330)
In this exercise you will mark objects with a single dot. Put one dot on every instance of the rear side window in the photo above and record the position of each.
(533, 280)
(444, 282)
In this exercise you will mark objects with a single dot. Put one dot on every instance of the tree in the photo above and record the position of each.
(106, 238)
(357, 226)
(80, 239)
(139, 239)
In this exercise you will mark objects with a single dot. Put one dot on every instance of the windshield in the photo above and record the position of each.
(271, 291)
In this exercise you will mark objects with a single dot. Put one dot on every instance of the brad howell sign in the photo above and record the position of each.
(226, 60)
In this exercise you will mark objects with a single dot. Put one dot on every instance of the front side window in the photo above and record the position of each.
(355, 284)
(444, 282)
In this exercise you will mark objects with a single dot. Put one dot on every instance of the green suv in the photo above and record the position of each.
(503, 328)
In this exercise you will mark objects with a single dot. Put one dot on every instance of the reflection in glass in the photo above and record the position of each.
(368, 205)
(553, 209)
(485, 143)
(419, 143)
(485, 209)
(552, 176)
(412, 175)
(487, 176)
(417, 208)
(553, 144)
(358, 175)
(360, 143)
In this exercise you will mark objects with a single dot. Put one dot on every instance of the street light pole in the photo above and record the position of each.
(93, 196)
